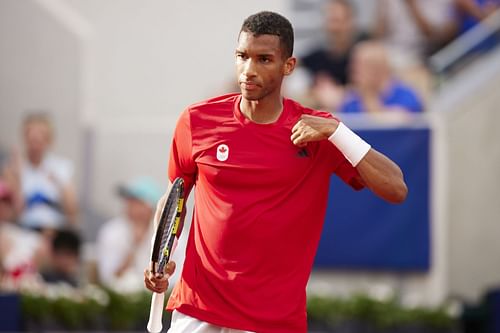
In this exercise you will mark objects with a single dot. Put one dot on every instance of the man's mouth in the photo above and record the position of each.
(249, 85)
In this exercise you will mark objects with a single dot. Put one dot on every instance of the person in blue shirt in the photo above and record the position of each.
(470, 14)
(374, 89)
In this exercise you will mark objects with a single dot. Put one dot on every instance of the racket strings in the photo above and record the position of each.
(167, 236)
(166, 241)
(166, 229)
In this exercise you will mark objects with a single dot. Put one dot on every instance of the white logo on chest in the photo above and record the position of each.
(222, 152)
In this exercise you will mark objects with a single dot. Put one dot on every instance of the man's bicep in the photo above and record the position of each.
(181, 165)
(181, 161)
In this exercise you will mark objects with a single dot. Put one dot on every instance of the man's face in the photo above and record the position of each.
(260, 65)
(138, 211)
(339, 20)
(368, 68)
(37, 138)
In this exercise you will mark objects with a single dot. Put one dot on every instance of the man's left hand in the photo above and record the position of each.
(311, 128)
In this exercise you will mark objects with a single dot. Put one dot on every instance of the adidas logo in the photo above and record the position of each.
(302, 153)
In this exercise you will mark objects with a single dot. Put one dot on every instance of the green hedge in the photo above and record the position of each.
(99, 309)
(379, 314)
(105, 310)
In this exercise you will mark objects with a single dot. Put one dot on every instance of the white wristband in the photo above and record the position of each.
(350, 144)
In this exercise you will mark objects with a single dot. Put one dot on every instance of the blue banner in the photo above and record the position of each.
(363, 232)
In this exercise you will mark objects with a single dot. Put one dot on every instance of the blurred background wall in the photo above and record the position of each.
(468, 109)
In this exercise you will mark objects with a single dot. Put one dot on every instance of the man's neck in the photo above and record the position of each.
(340, 43)
(262, 111)
(35, 160)
(384, 83)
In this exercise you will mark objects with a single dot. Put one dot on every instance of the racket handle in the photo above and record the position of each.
(156, 313)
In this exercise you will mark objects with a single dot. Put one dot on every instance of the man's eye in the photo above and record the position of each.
(265, 60)
(240, 56)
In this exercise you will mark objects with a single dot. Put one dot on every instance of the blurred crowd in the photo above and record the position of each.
(40, 224)
(383, 71)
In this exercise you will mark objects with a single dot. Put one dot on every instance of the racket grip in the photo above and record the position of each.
(156, 313)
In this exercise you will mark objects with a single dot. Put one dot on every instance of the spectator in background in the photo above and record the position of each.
(472, 12)
(328, 64)
(64, 263)
(374, 89)
(10, 166)
(412, 30)
(124, 243)
(46, 179)
(21, 251)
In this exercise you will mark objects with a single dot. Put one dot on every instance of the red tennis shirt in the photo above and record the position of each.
(260, 203)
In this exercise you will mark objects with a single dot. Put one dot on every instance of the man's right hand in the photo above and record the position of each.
(158, 282)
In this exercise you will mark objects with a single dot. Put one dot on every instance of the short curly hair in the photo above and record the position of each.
(270, 23)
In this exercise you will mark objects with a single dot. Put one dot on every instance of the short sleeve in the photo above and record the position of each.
(339, 164)
(413, 102)
(351, 104)
(405, 97)
(181, 162)
(349, 175)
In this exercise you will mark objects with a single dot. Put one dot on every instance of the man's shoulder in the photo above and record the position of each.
(400, 87)
(301, 109)
(114, 227)
(218, 102)
(55, 161)
(214, 109)
(60, 167)
(405, 95)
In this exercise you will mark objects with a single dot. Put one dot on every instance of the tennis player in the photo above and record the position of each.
(261, 165)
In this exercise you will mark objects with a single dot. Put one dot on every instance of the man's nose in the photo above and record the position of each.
(249, 68)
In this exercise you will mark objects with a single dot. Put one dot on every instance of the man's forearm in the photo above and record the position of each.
(382, 176)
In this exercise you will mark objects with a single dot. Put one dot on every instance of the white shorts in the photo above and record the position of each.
(182, 323)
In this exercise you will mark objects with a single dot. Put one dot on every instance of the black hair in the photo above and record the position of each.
(66, 241)
(270, 23)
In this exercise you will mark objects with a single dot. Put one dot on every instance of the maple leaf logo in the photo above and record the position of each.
(222, 152)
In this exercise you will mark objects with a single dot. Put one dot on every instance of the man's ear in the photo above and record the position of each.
(289, 65)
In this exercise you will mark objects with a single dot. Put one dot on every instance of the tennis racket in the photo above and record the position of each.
(166, 231)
